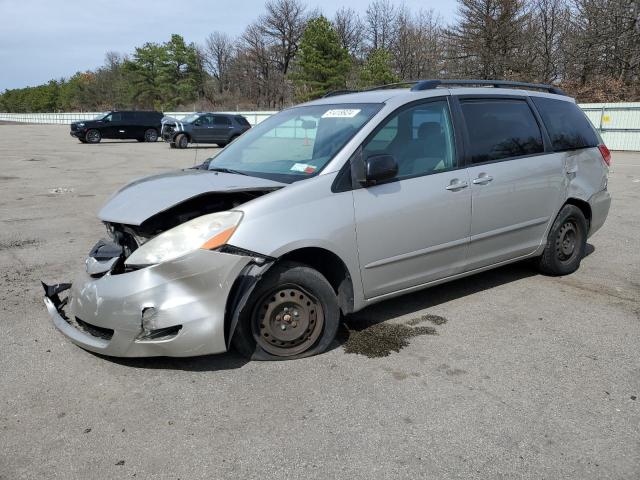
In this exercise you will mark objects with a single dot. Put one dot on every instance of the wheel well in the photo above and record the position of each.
(582, 205)
(331, 267)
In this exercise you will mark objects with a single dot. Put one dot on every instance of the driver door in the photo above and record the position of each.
(414, 229)
(112, 125)
(203, 129)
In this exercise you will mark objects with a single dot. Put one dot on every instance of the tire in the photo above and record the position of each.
(566, 243)
(93, 136)
(140, 139)
(292, 313)
(82, 140)
(172, 145)
(151, 135)
(181, 141)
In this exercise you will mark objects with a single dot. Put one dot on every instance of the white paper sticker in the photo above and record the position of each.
(341, 113)
(302, 167)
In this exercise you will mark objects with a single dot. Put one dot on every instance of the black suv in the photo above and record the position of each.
(218, 128)
(141, 126)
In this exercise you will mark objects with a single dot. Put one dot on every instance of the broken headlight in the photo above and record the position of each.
(208, 232)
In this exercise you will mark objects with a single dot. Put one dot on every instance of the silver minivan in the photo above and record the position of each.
(331, 206)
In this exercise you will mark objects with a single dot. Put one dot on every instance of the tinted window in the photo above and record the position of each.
(242, 121)
(114, 117)
(567, 125)
(206, 120)
(218, 120)
(501, 129)
(420, 138)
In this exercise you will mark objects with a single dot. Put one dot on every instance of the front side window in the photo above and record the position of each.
(501, 128)
(420, 139)
(295, 143)
(113, 117)
(568, 126)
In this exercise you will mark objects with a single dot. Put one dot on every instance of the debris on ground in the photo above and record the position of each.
(61, 190)
(381, 339)
(435, 319)
(9, 244)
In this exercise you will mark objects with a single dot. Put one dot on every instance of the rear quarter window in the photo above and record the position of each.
(567, 125)
(500, 129)
(242, 121)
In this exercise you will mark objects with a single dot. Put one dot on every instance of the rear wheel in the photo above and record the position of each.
(93, 136)
(566, 243)
(151, 135)
(292, 313)
(181, 141)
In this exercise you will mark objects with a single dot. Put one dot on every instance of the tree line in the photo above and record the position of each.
(590, 48)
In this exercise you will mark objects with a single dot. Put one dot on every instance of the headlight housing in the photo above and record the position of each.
(208, 232)
(81, 124)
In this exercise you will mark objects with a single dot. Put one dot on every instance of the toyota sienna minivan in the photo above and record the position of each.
(331, 206)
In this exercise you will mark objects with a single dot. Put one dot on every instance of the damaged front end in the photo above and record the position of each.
(165, 283)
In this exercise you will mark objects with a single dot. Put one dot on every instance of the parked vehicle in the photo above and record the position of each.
(218, 128)
(138, 125)
(331, 206)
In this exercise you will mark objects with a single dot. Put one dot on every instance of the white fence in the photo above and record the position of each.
(618, 123)
(65, 118)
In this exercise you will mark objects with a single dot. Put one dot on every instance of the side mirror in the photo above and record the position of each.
(106, 120)
(378, 168)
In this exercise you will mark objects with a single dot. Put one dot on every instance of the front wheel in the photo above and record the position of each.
(181, 141)
(151, 135)
(292, 313)
(566, 243)
(93, 136)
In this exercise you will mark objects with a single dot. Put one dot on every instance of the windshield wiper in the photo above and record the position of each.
(227, 170)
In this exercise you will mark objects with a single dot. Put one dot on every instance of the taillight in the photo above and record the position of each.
(606, 154)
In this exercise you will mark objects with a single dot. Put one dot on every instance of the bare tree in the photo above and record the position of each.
(350, 29)
(284, 24)
(380, 24)
(217, 55)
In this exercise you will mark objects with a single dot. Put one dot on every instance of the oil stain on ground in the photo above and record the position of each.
(380, 339)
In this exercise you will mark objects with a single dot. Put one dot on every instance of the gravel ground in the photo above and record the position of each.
(525, 376)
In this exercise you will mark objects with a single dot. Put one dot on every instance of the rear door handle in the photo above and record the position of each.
(483, 180)
(456, 185)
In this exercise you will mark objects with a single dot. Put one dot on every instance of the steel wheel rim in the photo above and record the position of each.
(287, 321)
(183, 142)
(92, 136)
(151, 135)
(567, 241)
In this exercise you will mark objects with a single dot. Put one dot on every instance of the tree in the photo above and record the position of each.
(488, 38)
(144, 69)
(350, 29)
(377, 69)
(218, 54)
(380, 22)
(178, 72)
(323, 62)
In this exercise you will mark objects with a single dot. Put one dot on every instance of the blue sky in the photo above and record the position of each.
(45, 39)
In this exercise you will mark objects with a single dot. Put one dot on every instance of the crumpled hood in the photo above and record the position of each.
(145, 197)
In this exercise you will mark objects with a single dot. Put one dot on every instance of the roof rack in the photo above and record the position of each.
(333, 93)
(431, 84)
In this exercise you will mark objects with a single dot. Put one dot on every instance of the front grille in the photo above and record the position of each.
(100, 332)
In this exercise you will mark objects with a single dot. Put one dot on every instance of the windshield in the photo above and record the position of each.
(100, 116)
(190, 118)
(295, 143)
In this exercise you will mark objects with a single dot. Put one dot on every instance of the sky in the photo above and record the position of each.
(45, 39)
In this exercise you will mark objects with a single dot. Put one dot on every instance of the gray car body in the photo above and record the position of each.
(392, 238)
(201, 131)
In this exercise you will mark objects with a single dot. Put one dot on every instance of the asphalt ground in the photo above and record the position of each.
(518, 375)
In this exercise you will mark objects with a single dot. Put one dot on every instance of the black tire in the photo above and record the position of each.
(293, 290)
(172, 145)
(181, 141)
(151, 135)
(566, 243)
(140, 139)
(93, 136)
(82, 140)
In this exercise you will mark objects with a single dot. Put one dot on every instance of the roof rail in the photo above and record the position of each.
(333, 93)
(431, 84)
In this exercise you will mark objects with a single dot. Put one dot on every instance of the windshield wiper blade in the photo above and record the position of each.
(227, 170)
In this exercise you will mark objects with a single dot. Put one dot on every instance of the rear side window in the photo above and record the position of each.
(242, 121)
(567, 125)
(218, 120)
(501, 129)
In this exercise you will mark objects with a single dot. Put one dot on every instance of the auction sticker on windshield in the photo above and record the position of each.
(341, 113)
(303, 167)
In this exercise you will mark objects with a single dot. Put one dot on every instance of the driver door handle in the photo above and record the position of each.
(482, 180)
(456, 185)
